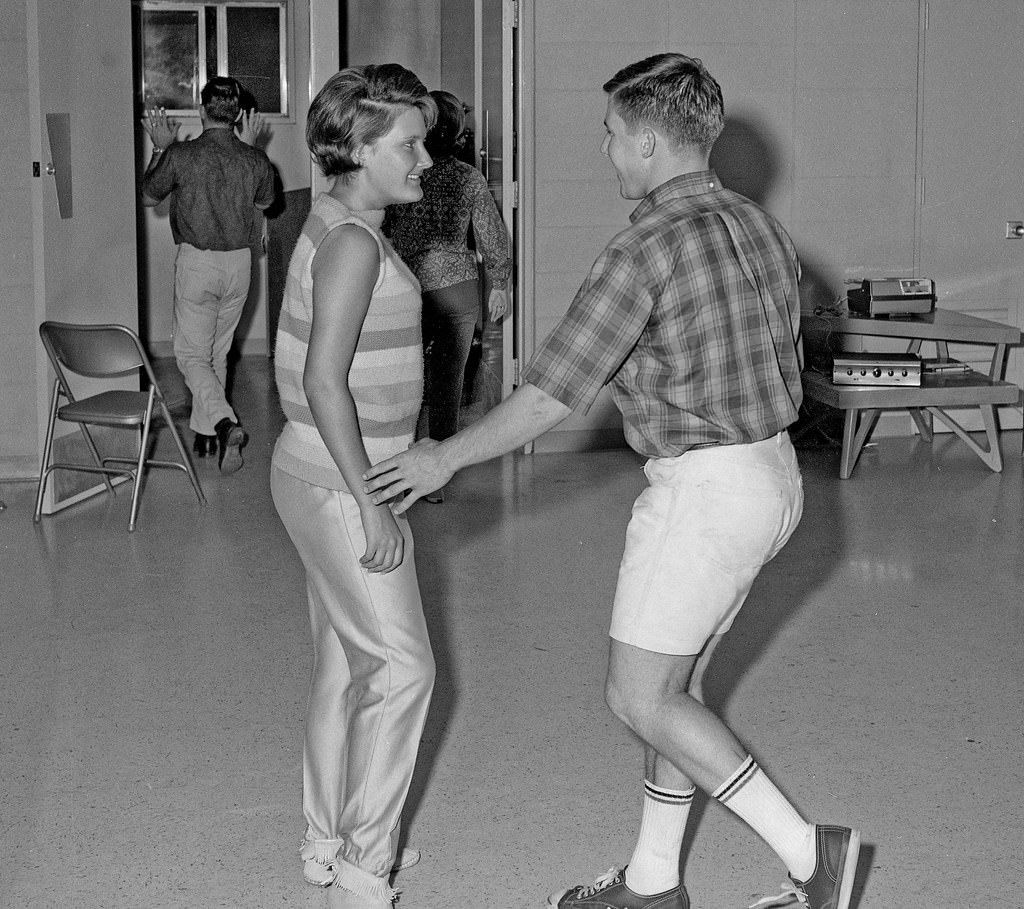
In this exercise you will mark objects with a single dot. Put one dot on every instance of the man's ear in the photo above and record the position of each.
(648, 141)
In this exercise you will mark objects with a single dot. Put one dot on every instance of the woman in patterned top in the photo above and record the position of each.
(432, 236)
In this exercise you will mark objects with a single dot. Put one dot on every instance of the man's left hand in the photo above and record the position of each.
(415, 472)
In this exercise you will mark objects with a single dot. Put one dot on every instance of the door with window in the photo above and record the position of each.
(178, 46)
(434, 40)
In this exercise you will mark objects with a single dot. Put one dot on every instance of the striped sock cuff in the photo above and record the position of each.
(737, 781)
(668, 796)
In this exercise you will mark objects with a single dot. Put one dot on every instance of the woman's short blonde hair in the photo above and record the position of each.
(357, 106)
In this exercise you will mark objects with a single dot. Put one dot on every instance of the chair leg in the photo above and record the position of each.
(44, 471)
(96, 456)
(185, 459)
(140, 466)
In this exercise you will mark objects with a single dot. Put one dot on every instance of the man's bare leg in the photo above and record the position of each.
(668, 797)
(653, 694)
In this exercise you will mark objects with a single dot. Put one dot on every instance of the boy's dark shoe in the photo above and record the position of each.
(831, 885)
(610, 892)
(204, 445)
(231, 437)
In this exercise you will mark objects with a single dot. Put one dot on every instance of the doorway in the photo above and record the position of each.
(467, 47)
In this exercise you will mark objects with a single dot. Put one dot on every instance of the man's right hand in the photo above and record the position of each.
(415, 472)
(161, 129)
(252, 128)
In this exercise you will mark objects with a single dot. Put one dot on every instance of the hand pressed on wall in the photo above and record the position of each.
(252, 128)
(160, 128)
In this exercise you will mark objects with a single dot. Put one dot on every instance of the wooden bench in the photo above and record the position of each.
(937, 393)
(863, 404)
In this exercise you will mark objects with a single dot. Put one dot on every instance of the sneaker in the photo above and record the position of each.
(322, 874)
(610, 892)
(831, 884)
(231, 437)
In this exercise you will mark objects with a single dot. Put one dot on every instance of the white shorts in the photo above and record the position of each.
(697, 539)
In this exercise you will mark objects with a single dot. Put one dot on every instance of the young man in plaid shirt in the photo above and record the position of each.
(692, 315)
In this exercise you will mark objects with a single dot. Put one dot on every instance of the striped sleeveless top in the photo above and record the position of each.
(386, 378)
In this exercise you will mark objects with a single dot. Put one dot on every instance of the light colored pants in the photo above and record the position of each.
(697, 539)
(373, 673)
(210, 290)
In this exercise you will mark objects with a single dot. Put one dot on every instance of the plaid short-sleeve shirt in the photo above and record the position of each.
(692, 314)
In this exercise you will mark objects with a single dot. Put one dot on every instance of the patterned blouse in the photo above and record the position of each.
(432, 235)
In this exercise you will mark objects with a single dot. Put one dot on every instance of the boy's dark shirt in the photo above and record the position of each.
(218, 187)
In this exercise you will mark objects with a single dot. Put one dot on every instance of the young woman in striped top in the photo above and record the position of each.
(349, 371)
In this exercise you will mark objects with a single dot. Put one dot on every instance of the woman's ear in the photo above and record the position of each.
(361, 154)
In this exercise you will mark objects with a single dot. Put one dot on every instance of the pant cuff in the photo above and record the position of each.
(322, 851)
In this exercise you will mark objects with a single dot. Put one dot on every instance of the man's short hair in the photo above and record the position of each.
(221, 99)
(674, 94)
(357, 106)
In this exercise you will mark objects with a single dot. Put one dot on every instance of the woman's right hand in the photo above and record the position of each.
(497, 303)
(385, 545)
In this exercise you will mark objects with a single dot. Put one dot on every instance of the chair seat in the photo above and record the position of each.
(109, 408)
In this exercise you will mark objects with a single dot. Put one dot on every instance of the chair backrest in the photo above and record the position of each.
(97, 351)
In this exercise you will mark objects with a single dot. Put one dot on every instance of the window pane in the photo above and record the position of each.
(254, 53)
(211, 44)
(170, 55)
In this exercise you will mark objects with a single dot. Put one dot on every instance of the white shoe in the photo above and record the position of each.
(322, 874)
(340, 898)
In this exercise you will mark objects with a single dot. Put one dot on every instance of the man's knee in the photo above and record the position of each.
(624, 701)
(641, 685)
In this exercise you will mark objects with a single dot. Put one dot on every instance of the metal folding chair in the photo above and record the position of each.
(106, 351)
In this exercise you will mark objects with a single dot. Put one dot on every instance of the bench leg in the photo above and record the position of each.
(857, 429)
(992, 456)
(922, 423)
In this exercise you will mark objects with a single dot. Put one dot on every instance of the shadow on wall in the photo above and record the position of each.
(747, 159)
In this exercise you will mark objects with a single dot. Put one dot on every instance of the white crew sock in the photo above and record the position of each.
(751, 795)
(654, 866)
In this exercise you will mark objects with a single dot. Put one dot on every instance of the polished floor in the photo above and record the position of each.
(152, 687)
